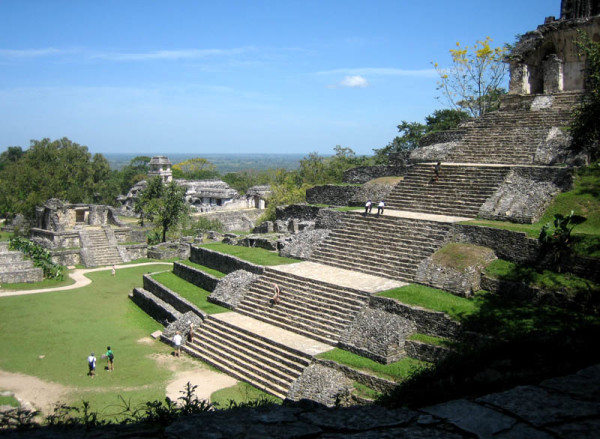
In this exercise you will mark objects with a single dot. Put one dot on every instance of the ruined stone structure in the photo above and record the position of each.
(89, 234)
(161, 166)
(500, 166)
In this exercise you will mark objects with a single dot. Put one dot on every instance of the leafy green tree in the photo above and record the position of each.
(585, 128)
(170, 209)
(11, 155)
(51, 169)
(444, 120)
(473, 83)
(195, 169)
(143, 204)
(556, 237)
(410, 134)
(136, 170)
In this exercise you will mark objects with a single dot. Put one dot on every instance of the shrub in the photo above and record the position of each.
(39, 255)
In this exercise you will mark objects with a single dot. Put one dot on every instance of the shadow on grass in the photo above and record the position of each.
(523, 344)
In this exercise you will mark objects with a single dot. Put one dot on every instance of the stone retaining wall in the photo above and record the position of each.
(136, 251)
(363, 174)
(222, 262)
(170, 297)
(66, 257)
(197, 277)
(427, 322)
(425, 352)
(29, 275)
(156, 308)
(373, 382)
(335, 195)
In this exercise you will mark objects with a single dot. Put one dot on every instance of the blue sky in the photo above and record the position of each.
(144, 76)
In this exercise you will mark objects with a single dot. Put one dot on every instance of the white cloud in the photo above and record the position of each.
(171, 54)
(381, 71)
(29, 53)
(354, 82)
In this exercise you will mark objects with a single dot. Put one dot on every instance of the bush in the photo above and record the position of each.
(39, 255)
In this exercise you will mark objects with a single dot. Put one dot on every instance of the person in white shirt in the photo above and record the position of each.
(177, 342)
(380, 207)
(91, 365)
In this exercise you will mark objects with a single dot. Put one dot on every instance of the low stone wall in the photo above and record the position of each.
(509, 245)
(66, 257)
(363, 174)
(371, 381)
(28, 275)
(302, 212)
(170, 297)
(426, 352)
(324, 385)
(195, 276)
(243, 220)
(222, 262)
(303, 244)
(334, 195)
(427, 322)
(53, 240)
(156, 308)
(136, 251)
(169, 250)
(378, 335)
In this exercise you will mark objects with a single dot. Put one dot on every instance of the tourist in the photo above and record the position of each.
(91, 365)
(190, 335)
(275, 299)
(113, 270)
(380, 207)
(177, 342)
(368, 207)
(110, 358)
(437, 169)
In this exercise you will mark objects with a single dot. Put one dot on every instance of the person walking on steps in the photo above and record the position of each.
(368, 207)
(276, 292)
(437, 169)
(380, 207)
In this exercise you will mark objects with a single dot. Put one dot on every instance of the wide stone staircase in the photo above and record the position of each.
(97, 249)
(459, 190)
(248, 356)
(510, 136)
(309, 307)
(15, 269)
(386, 246)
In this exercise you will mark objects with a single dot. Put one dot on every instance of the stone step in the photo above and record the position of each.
(16, 266)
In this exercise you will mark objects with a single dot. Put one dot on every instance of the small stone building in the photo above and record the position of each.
(161, 166)
(546, 60)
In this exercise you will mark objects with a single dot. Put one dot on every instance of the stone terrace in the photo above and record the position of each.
(15, 269)
(459, 190)
(388, 245)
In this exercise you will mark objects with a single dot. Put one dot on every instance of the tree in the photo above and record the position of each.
(51, 169)
(136, 170)
(585, 128)
(171, 208)
(444, 120)
(474, 81)
(195, 169)
(142, 205)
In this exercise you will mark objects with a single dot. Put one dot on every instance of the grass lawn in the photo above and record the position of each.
(189, 291)
(207, 270)
(257, 256)
(241, 393)
(46, 283)
(50, 336)
(433, 299)
(398, 371)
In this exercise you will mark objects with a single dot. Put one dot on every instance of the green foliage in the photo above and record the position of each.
(412, 132)
(473, 83)
(39, 255)
(202, 224)
(556, 238)
(243, 180)
(195, 169)
(585, 128)
(53, 169)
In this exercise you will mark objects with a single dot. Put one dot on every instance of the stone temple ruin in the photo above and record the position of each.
(86, 234)
(505, 165)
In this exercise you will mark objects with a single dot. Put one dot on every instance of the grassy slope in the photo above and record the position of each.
(66, 326)
(191, 292)
(257, 256)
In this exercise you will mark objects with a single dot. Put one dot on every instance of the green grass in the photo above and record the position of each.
(53, 333)
(241, 393)
(191, 292)
(10, 401)
(435, 341)
(460, 256)
(207, 270)
(398, 371)
(547, 280)
(5, 236)
(46, 283)
(433, 299)
(258, 256)
(364, 391)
